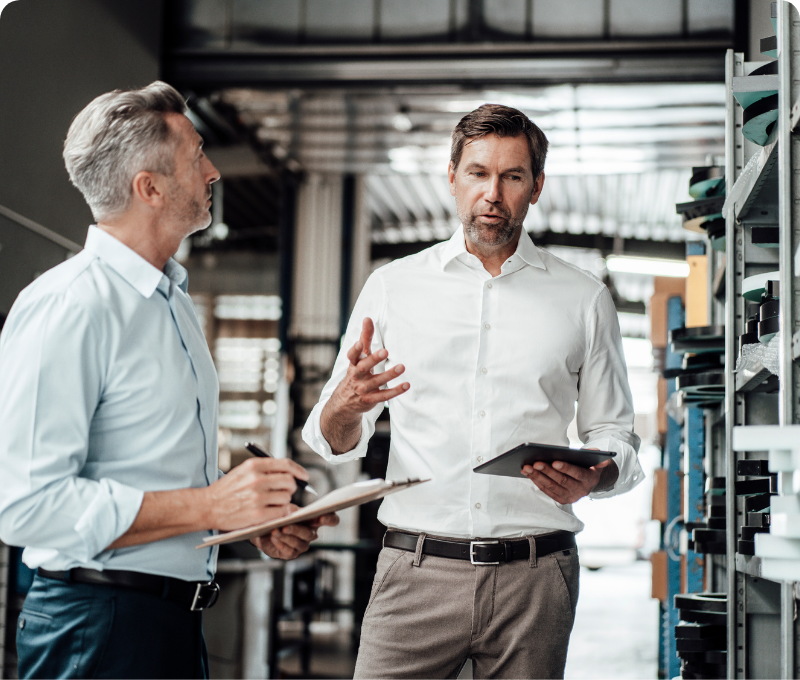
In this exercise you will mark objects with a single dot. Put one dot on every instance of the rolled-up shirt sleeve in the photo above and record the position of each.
(605, 406)
(51, 381)
(370, 304)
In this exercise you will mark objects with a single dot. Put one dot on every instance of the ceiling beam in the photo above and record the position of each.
(208, 70)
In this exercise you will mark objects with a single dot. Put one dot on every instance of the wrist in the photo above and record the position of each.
(608, 477)
(337, 409)
(204, 507)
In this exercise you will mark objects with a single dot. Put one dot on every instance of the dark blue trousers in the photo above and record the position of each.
(76, 630)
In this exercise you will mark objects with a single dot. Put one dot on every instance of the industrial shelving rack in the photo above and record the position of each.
(763, 189)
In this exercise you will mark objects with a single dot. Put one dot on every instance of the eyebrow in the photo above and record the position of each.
(479, 166)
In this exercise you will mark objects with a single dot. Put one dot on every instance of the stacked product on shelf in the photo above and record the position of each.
(701, 381)
(703, 215)
(757, 94)
(758, 491)
(769, 312)
(708, 537)
(760, 107)
(757, 362)
(777, 544)
(701, 635)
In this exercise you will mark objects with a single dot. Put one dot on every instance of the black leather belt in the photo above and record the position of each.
(192, 595)
(489, 551)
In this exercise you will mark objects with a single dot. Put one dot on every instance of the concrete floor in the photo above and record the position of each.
(615, 633)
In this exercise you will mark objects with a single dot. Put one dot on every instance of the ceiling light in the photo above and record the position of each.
(646, 265)
(401, 122)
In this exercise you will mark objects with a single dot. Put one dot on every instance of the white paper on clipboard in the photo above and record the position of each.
(338, 499)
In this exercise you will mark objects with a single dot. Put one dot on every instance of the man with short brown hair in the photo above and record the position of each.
(498, 340)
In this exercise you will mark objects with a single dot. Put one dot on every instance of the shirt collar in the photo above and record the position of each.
(131, 266)
(527, 252)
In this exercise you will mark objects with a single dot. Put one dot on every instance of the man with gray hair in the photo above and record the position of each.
(108, 416)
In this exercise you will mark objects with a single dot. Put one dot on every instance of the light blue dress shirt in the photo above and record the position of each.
(107, 390)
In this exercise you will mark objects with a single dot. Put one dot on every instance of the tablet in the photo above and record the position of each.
(509, 464)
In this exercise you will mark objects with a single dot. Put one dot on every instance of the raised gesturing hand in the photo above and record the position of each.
(361, 388)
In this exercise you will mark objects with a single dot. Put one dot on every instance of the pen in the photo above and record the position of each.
(256, 450)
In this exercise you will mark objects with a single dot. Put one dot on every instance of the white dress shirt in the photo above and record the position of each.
(492, 363)
(107, 390)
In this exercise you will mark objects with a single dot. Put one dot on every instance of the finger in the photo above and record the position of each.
(574, 471)
(544, 481)
(301, 531)
(599, 466)
(258, 542)
(277, 482)
(290, 542)
(365, 366)
(384, 395)
(380, 379)
(558, 477)
(329, 520)
(549, 487)
(354, 353)
(279, 550)
(367, 331)
(270, 466)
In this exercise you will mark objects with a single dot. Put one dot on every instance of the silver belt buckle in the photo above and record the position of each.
(472, 545)
(198, 591)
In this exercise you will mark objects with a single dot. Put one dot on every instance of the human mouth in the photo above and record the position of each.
(492, 218)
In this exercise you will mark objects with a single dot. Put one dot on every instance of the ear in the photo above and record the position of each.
(148, 188)
(538, 185)
(451, 178)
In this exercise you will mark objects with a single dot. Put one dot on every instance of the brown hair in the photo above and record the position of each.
(502, 121)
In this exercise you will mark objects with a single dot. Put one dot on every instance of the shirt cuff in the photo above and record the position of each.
(109, 515)
(312, 435)
(626, 460)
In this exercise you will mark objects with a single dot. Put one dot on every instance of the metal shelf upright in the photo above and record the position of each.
(763, 189)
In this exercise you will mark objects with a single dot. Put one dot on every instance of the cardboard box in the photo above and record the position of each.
(664, 288)
(661, 413)
(658, 563)
(697, 291)
(659, 507)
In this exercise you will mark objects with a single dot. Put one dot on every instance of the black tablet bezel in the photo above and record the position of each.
(529, 453)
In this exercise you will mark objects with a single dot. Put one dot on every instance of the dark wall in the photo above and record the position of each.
(55, 57)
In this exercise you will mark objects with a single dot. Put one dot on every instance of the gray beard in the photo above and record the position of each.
(187, 211)
(490, 236)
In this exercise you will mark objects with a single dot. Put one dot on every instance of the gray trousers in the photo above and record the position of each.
(428, 615)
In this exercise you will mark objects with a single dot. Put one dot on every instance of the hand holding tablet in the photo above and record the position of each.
(564, 474)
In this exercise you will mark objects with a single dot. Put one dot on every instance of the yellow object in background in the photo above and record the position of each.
(697, 291)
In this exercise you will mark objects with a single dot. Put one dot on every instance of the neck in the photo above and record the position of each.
(492, 257)
(143, 236)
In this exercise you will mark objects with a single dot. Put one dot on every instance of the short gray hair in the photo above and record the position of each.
(117, 135)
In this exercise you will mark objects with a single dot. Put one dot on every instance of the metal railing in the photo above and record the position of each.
(37, 228)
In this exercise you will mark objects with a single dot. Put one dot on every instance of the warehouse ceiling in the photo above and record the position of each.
(619, 160)
(629, 93)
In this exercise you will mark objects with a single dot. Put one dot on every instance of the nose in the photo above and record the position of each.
(493, 193)
(212, 174)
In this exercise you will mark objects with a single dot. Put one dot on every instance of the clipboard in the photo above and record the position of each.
(510, 463)
(338, 499)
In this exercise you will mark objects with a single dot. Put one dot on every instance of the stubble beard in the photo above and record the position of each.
(187, 211)
(490, 235)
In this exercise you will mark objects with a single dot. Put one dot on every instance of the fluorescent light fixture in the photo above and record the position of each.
(647, 265)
